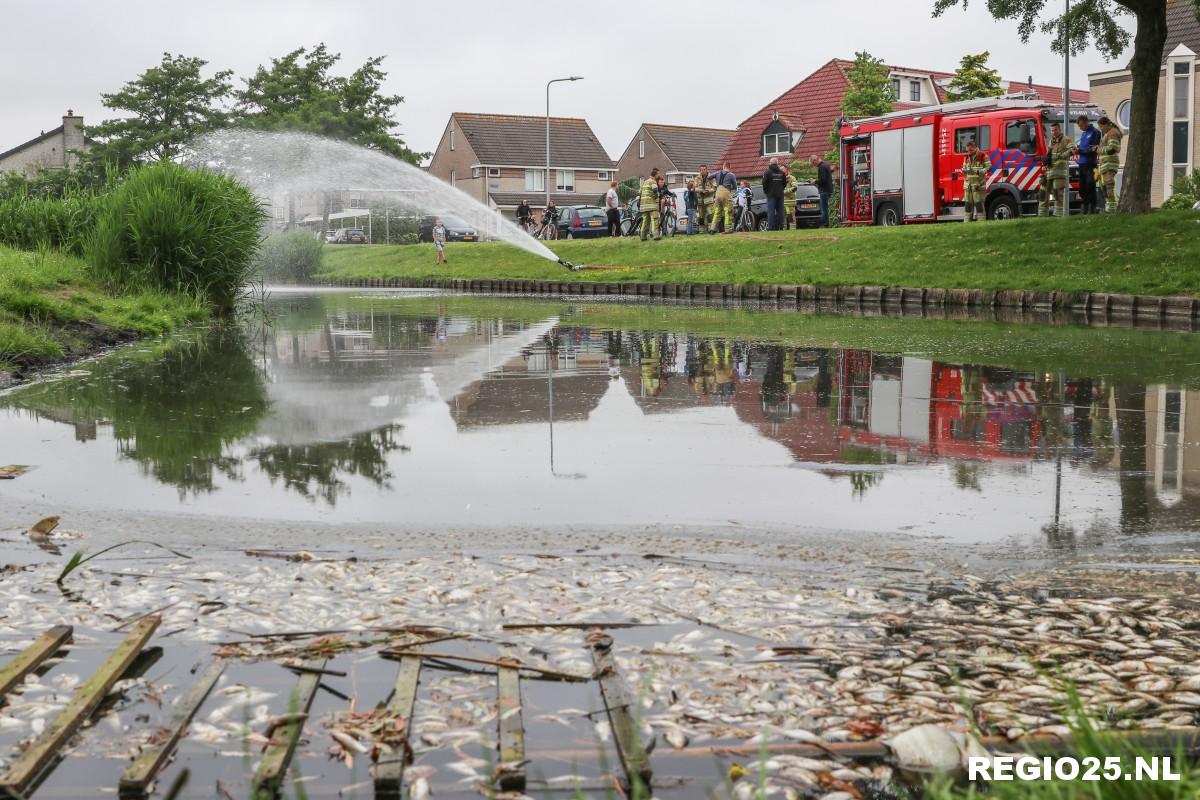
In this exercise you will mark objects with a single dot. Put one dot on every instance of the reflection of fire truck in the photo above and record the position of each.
(907, 166)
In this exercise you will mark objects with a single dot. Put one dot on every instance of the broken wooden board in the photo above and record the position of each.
(29, 659)
(138, 776)
(30, 763)
(389, 772)
(510, 772)
(619, 705)
(273, 768)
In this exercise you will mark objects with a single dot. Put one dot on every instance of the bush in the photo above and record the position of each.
(172, 228)
(290, 257)
(1180, 200)
(30, 222)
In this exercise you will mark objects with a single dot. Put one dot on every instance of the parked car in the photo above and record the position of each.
(329, 237)
(457, 230)
(582, 222)
(808, 206)
(350, 236)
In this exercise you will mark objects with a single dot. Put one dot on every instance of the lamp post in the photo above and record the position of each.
(1066, 34)
(554, 80)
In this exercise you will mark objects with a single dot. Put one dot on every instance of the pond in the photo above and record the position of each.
(414, 410)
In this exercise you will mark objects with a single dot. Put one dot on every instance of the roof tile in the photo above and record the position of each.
(507, 140)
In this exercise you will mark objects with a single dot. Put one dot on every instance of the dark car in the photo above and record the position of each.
(808, 206)
(457, 230)
(581, 222)
(350, 236)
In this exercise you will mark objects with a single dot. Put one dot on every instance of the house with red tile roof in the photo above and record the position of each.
(796, 124)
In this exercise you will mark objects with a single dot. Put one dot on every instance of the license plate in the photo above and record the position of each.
(596, 223)
(808, 205)
(468, 238)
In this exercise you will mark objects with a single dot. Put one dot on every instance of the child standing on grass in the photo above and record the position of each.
(439, 240)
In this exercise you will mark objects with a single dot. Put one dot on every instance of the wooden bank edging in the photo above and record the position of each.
(1101, 304)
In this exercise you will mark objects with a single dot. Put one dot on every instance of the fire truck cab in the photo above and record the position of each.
(906, 167)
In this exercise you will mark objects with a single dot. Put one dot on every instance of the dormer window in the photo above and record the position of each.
(777, 140)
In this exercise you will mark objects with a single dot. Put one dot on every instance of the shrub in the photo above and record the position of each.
(290, 257)
(29, 222)
(172, 228)
(1180, 200)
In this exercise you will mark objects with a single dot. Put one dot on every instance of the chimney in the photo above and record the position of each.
(73, 141)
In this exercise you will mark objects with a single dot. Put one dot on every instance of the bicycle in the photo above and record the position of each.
(746, 220)
(547, 229)
(668, 218)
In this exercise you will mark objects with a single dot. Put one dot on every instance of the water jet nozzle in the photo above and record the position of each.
(569, 265)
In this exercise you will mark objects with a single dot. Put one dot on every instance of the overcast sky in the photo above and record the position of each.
(640, 61)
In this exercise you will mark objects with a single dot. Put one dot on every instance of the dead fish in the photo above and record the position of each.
(44, 527)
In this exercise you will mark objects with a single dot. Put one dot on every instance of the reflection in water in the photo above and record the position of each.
(442, 410)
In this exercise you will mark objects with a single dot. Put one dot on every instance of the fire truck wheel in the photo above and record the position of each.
(888, 214)
(1002, 207)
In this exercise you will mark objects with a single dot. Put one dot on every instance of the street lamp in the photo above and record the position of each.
(1066, 41)
(573, 78)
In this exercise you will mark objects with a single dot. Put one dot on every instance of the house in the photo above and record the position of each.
(1177, 142)
(797, 124)
(500, 159)
(677, 151)
(53, 149)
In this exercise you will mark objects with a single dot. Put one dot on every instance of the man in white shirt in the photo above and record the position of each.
(612, 206)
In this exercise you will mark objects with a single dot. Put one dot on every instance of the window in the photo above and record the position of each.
(602, 176)
(914, 91)
(493, 172)
(641, 148)
(1182, 68)
(565, 180)
(1181, 96)
(453, 178)
(777, 144)
(896, 88)
(1179, 143)
(535, 180)
(476, 172)
(358, 202)
(1021, 135)
(981, 136)
(1123, 114)
(452, 138)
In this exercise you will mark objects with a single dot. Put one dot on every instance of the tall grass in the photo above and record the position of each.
(30, 222)
(290, 257)
(171, 228)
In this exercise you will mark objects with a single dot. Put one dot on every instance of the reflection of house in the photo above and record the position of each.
(54, 149)
(500, 159)
(1172, 430)
(677, 151)
(1177, 141)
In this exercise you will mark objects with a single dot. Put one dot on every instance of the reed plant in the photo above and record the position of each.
(170, 228)
(290, 257)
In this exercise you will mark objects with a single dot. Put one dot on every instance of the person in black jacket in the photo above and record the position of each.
(773, 183)
(824, 185)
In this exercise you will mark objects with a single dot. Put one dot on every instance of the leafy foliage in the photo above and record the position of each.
(869, 93)
(167, 106)
(1089, 22)
(974, 79)
(32, 222)
(299, 92)
(171, 228)
(291, 256)
(1185, 191)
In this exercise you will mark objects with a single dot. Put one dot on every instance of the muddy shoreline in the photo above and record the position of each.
(81, 339)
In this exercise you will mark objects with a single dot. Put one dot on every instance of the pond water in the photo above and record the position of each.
(443, 411)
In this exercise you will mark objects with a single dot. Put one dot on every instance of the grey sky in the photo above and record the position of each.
(640, 61)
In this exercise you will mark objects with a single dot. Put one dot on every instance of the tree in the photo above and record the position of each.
(299, 93)
(1094, 22)
(974, 79)
(869, 93)
(168, 105)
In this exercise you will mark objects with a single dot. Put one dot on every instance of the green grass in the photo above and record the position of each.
(1156, 253)
(51, 308)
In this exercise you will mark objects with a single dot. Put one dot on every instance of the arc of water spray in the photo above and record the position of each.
(280, 166)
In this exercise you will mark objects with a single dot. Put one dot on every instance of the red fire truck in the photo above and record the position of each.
(907, 166)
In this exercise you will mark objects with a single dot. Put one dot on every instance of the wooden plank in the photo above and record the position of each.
(136, 779)
(29, 659)
(268, 778)
(389, 772)
(26, 767)
(510, 772)
(617, 702)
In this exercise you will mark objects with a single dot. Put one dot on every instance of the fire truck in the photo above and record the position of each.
(906, 166)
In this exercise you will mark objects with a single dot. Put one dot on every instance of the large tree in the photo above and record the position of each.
(974, 79)
(1094, 22)
(868, 94)
(167, 105)
(299, 92)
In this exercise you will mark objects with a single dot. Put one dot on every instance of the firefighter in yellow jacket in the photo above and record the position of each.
(1110, 161)
(975, 169)
(648, 206)
(1057, 175)
(789, 197)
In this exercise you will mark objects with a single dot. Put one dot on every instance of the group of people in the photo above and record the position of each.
(713, 201)
(1097, 154)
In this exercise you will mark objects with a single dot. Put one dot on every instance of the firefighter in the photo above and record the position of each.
(789, 198)
(975, 169)
(1057, 173)
(726, 186)
(648, 205)
(704, 198)
(1110, 161)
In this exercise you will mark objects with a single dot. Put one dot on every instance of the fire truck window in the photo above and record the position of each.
(981, 136)
(1021, 135)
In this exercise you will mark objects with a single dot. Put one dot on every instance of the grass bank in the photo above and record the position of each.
(52, 309)
(1156, 253)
